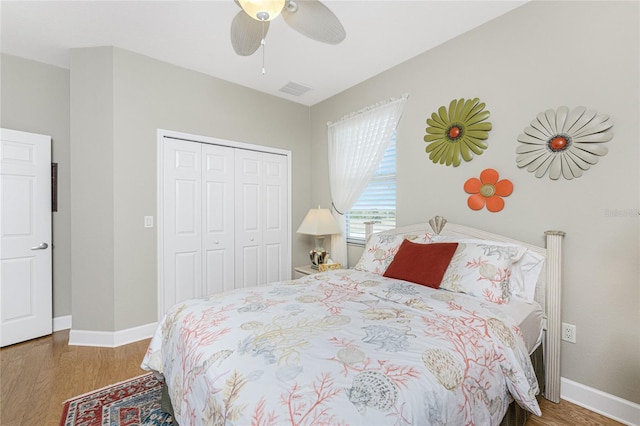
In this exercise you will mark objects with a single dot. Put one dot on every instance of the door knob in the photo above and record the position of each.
(42, 246)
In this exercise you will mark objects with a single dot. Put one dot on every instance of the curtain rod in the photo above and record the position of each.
(369, 108)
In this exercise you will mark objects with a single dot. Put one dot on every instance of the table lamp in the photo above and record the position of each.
(319, 222)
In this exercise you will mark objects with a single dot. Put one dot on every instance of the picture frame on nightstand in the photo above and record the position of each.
(328, 267)
(302, 271)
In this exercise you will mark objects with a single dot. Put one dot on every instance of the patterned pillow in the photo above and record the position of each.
(525, 267)
(381, 247)
(482, 270)
(525, 274)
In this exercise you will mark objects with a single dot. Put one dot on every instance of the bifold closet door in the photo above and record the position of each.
(225, 215)
(182, 224)
(261, 211)
(248, 208)
(276, 214)
(218, 218)
(198, 246)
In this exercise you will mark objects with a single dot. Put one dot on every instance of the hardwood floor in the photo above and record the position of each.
(567, 413)
(36, 377)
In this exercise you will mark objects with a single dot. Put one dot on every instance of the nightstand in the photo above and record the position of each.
(301, 271)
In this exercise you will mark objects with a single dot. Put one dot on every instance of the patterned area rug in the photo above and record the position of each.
(132, 402)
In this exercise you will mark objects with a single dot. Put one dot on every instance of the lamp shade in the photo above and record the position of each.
(319, 222)
(262, 10)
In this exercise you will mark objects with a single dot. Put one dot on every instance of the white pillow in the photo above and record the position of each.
(525, 269)
(525, 274)
(381, 248)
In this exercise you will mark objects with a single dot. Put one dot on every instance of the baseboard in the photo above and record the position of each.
(111, 339)
(608, 405)
(62, 323)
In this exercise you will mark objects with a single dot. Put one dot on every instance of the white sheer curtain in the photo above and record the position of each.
(357, 143)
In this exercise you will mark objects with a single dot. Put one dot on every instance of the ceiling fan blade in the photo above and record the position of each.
(314, 20)
(247, 34)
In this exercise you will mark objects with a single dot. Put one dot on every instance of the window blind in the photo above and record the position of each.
(378, 201)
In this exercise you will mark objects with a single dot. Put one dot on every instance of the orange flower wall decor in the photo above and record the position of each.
(488, 190)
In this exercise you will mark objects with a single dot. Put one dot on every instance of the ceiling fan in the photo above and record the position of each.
(309, 17)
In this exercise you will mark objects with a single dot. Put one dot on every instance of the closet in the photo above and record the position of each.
(223, 216)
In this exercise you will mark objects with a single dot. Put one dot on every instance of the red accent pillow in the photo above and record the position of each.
(423, 264)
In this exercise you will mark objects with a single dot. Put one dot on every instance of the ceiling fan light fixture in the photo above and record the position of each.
(262, 10)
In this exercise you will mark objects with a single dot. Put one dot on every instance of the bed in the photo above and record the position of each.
(387, 342)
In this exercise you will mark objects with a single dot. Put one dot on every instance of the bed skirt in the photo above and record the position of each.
(515, 416)
(165, 403)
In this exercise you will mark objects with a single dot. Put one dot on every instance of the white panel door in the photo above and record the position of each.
(25, 233)
(223, 217)
(248, 211)
(218, 218)
(275, 212)
(182, 221)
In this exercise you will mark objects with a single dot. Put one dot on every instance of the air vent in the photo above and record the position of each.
(295, 89)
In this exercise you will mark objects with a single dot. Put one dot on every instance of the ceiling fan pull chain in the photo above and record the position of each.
(262, 42)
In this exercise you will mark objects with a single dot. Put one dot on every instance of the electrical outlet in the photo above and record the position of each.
(568, 332)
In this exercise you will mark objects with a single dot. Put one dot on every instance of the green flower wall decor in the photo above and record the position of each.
(457, 132)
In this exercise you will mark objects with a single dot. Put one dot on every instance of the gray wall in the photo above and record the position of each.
(103, 115)
(119, 100)
(92, 189)
(35, 98)
(542, 55)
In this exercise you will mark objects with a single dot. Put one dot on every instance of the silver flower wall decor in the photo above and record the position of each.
(564, 143)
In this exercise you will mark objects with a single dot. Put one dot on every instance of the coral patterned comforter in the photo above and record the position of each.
(342, 348)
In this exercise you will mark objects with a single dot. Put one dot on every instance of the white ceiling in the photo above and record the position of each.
(195, 35)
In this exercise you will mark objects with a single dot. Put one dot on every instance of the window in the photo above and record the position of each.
(378, 202)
